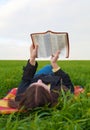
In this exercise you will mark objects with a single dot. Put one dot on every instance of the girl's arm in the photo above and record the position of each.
(31, 66)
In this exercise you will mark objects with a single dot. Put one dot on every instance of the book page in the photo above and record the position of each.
(43, 41)
(59, 42)
(50, 42)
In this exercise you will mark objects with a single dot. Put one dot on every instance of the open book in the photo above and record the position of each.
(49, 42)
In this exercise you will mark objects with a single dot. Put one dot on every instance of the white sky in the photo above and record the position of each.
(20, 18)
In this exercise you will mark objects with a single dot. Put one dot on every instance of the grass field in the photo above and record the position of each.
(70, 113)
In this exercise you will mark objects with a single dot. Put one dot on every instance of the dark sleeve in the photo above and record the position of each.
(65, 79)
(29, 71)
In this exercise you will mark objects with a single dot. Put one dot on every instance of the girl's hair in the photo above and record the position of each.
(34, 96)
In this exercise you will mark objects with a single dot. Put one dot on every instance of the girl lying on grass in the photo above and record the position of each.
(41, 88)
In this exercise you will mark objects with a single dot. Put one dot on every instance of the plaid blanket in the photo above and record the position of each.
(5, 109)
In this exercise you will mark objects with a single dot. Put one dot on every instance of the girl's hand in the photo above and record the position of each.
(33, 53)
(54, 59)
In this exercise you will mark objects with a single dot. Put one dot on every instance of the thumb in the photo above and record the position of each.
(57, 53)
(36, 46)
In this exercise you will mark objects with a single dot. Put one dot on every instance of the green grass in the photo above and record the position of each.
(69, 114)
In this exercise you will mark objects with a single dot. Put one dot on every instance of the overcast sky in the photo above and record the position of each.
(20, 18)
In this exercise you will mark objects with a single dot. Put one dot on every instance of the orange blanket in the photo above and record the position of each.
(5, 109)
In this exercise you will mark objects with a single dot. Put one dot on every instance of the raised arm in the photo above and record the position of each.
(54, 59)
(59, 72)
(33, 53)
(28, 72)
(31, 67)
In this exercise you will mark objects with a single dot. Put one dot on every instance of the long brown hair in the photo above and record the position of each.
(34, 96)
